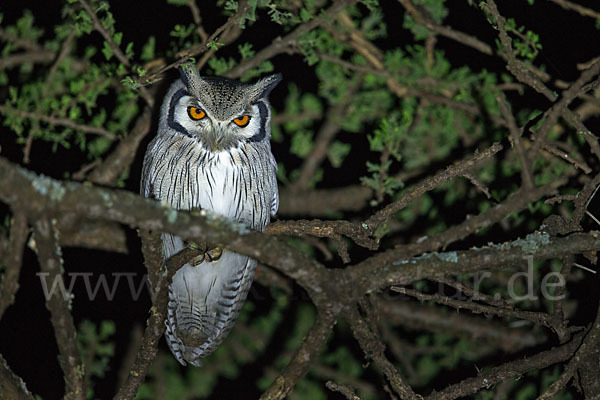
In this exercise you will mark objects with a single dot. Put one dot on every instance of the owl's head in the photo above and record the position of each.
(219, 113)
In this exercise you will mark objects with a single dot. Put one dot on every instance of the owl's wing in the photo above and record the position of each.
(147, 176)
(273, 184)
(275, 202)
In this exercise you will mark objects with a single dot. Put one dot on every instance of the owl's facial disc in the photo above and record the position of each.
(214, 131)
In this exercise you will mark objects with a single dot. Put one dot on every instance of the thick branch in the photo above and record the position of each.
(107, 236)
(59, 307)
(47, 195)
(318, 228)
(155, 327)
(324, 202)
(403, 271)
(493, 215)
(11, 386)
(10, 279)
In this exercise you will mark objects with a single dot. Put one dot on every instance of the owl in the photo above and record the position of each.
(213, 152)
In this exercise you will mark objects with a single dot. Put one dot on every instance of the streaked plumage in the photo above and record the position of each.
(212, 164)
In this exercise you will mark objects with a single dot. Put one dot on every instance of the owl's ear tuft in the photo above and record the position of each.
(264, 86)
(189, 75)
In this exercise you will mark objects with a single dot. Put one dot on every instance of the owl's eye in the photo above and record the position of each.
(196, 113)
(242, 121)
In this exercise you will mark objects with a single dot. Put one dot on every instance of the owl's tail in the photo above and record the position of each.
(204, 303)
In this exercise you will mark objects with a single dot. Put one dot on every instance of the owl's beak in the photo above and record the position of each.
(215, 136)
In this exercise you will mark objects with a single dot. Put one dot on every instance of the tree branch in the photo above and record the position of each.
(508, 370)
(11, 386)
(59, 307)
(14, 258)
(381, 216)
(281, 45)
(374, 349)
(121, 158)
(65, 122)
(305, 356)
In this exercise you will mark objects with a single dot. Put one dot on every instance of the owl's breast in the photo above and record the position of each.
(235, 183)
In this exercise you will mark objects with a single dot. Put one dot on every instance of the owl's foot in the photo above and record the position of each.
(201, 247)
(214, 254)
(207, 254)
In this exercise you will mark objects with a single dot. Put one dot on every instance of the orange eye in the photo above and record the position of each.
(242, 121)
(196, 113)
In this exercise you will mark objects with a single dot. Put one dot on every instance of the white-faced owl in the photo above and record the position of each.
(213, 152)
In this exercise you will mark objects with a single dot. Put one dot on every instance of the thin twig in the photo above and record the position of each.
(535, 317)
(410, 195)
(105, 34)
(474, 294)
(64, 122)
(374, 349)
(508, 370)
(448, 32)
(121, 158)
(581, 10)
(582, 165)
(64, 52)
(305, 356)
(325, 136)
(520, 70)
(515, 136)
(343, 389)
(123, 59)
(184, 56)
(416, 316)
(197, 19)
(281, 45)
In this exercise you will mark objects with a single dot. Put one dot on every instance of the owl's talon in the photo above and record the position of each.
(194, 262)
(214, 254)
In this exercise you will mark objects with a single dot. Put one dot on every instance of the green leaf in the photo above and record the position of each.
(337, 153)
(302, 143)
(107, 51)
(148, 50)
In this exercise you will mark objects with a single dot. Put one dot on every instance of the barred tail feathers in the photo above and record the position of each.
(204, 303)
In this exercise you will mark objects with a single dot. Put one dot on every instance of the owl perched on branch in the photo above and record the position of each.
(212, 152)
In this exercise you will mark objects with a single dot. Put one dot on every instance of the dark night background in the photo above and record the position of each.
(26, 338)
